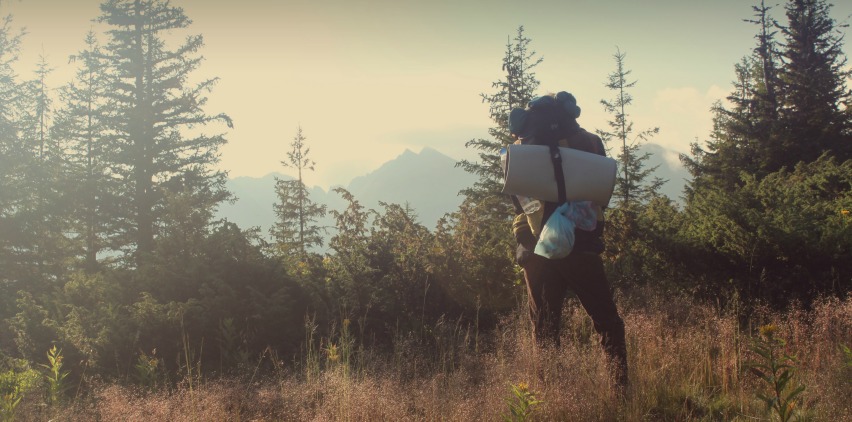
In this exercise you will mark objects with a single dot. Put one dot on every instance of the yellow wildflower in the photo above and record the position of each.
(331, 351)
(768, 330)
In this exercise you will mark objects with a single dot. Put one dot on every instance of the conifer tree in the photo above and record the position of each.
(628, 254)
(632, 184)
(788, 104)
(37, 110)
(13, 161)
(816, 98)
(477, 238)
(747, 136)
(80, 127)
(352, 277)
(42, 216)
(296, 230)
(155, 106)
(516, 89)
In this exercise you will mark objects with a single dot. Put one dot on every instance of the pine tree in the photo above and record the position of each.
(81, 128)
(816, 99)
(37, 109)
(43, 245)
(747, 136)
(632, 184)
(14, 158)
(296, 230)
(477, 238)
(154, 110)
(627, 239)
(516, 90)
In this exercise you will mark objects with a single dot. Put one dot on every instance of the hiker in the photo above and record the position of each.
(552, 120)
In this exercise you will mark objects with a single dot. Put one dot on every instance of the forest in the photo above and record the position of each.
(123, 297)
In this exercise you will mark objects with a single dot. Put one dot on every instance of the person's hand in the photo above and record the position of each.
(522, 255)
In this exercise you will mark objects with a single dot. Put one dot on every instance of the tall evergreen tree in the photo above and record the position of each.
(42, 215)
(37, 110)
(628, 255)
(747, 136)
(13, 160)
(515, 90)
(81, 128)
(155, 107)
(816, 99)
(296, 230)
(633, 186)
(476, 241)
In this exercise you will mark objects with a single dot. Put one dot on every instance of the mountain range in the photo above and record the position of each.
(428, 181)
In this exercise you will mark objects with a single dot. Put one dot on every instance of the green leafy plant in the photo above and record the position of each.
(847, 356)
(9, 404)
(147, 370)
(776, 368)
(13, 388)
(55, 376)
(521, 403)
(14, 385)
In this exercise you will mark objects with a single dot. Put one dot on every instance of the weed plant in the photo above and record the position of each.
(776, 368)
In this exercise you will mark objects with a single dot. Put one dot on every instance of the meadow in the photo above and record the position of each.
(688, 362)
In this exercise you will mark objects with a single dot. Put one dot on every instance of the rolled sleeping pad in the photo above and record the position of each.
(528, 171)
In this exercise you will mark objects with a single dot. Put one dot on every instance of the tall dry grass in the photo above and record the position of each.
(686, 364)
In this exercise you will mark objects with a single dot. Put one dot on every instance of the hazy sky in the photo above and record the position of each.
(368, 79)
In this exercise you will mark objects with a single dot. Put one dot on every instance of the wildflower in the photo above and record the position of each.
(844, 212)
(331, 351)
(523, 387)
(768, 330)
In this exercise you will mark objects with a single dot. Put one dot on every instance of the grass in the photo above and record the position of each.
(687, 363)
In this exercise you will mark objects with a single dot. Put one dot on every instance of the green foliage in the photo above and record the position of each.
(296, 231)
(783, 235)
(515, 90)
(632, 186)
(232, 345)
(89, 194)
(814, 78)
(152, 109)
(521, 403)
(473, 257)
(54, 376)
(473, 252)
(639, 221)
(776, 369)
(148, 370)
(847, 356)
(15, 383)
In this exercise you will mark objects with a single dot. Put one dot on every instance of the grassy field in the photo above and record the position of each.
(688, 362)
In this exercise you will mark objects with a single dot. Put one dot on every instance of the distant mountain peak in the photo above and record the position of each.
(427, 180)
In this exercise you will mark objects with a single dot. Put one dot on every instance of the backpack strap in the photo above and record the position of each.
(519, 209)
(556, 159)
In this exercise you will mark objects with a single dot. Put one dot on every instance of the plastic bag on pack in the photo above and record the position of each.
(557, 236)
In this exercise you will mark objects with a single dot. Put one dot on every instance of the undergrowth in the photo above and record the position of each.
(688, 362)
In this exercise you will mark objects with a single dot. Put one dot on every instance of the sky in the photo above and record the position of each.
(368, 79)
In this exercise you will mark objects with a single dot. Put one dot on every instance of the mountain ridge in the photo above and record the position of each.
(428, 181)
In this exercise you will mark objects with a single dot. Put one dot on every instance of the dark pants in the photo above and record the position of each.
(547, 284)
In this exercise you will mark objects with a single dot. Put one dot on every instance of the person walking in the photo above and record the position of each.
(552, 120)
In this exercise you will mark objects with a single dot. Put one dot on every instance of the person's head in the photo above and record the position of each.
(546, 119)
